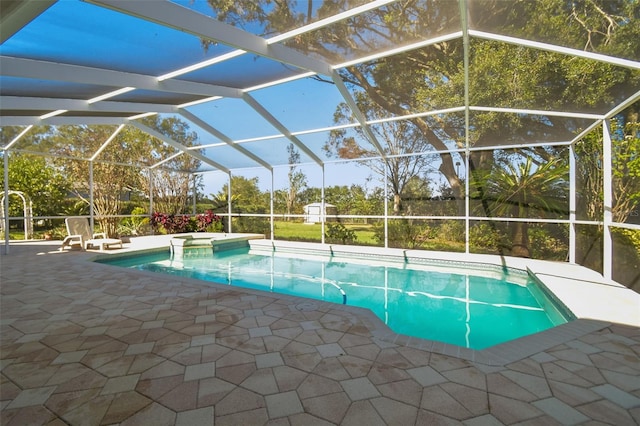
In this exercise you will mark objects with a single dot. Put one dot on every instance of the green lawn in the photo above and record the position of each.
(297, 231)
(18, 234)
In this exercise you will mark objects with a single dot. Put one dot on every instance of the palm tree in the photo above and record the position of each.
(525, 190)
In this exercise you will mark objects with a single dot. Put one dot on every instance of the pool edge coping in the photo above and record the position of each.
(497, 355)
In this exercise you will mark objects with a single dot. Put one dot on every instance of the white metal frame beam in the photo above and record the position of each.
(69, 119)
(566, 114)
(166, 160)
(398, 50)
(218, 134)
(39, 104)
(175, 16)
(45, 70)
(623, 105)
(618, 109)
(107, 142)
(358, 115)
(330, 20)
(179, 146)
(17, 138)
(557, 49)
(281, 128)
(15, 15)
(21, 120)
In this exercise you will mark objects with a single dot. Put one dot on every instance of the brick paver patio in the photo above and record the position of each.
(90, 344)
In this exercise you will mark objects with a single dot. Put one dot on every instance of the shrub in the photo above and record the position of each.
(626, 257)
(135, 225)
(338, 233)
(403, 233)
(544, 245)
(175, 224)
(451, 230)
(255, 225)
(485, 238)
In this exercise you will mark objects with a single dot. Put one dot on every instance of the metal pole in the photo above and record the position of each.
(465, 45)
(572, 205)
(30, 219)
(195, 193)
(229, 194)
(151, 194)
(323, 212)
(607, 173)
(91, 194)
(272, 218)
(467, 206)
(151, 191)
(6, 202)
(27, 216)
(386, 208)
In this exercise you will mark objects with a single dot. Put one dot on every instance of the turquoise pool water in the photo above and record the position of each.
(452, 304)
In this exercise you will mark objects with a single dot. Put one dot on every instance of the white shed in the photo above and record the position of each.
(313, 212)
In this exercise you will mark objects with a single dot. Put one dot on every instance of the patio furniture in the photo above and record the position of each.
(79, 234)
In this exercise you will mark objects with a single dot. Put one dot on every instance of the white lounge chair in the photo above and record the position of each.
(79, 234)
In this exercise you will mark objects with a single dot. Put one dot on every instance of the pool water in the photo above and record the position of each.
(452, 304)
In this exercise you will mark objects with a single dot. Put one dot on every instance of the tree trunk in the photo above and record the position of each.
(397, 204)
(450, 173)
(520, 239)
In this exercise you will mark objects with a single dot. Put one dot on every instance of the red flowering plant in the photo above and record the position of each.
(207, 220)
(175, 224)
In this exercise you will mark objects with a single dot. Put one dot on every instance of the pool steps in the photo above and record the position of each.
(207, 243)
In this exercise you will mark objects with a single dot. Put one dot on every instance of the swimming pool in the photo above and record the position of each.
(473, 308)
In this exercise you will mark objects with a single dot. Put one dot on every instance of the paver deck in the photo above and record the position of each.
(85, 343)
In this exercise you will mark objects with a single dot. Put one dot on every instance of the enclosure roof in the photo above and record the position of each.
(251, 80)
